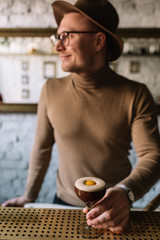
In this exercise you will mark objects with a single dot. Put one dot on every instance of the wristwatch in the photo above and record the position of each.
(130, 194)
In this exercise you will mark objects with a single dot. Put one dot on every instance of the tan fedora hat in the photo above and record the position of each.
(100, 12)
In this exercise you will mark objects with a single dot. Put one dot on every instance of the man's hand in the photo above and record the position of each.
(17, 202)
(111, 212)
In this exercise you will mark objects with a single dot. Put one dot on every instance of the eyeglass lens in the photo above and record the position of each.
(64, 37)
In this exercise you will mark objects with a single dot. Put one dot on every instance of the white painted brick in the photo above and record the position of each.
(16, 20)
(3, 20)
(19, 7)
(146, 12)
(4, 5)
(138, 13)
(146, 8)
(39, 7)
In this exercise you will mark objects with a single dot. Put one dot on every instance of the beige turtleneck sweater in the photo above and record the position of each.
(93, 121)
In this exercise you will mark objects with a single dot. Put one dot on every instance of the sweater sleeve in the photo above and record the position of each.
(145, 137)
(42, 148)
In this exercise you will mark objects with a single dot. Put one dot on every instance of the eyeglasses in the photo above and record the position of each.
(65, 36)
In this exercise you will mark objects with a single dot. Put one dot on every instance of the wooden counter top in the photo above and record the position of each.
(61, 224)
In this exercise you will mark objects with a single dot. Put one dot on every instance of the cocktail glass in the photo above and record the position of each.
(89, 190)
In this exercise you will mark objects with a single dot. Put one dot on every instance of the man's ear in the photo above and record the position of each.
(100, 41)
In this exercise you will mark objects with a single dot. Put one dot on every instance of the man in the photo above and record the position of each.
(93, 115)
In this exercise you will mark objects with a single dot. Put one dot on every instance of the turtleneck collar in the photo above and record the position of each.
(92, 81)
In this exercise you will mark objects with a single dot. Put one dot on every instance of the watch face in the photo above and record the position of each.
(131, 196)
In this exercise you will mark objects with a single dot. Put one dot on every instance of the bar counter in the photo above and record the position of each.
(61, 224)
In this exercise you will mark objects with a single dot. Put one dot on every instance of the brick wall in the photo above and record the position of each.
(17, 134)
(17, 130)
(38, 13)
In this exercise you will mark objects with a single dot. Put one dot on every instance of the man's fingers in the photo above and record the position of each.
(17, 202)
(100, 208)
(121, 226)
(85, 210)
(9, 203)
(109, 218)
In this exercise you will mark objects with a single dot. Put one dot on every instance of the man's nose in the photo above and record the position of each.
(59, 46)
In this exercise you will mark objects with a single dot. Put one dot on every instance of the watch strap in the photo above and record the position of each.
(130, 194)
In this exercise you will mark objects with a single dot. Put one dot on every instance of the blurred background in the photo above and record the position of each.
(27, 59)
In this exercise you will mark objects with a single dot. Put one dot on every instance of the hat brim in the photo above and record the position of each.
(115, 43)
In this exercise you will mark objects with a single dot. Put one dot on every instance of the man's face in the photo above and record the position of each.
(79, 55)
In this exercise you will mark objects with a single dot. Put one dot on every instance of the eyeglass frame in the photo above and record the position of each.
(56, 37)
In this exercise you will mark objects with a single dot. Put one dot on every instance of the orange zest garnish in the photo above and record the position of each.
(89, 183)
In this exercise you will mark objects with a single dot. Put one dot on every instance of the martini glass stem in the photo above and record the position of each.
(87, 231)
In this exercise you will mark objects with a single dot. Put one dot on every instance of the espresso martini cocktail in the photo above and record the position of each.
(90, 190)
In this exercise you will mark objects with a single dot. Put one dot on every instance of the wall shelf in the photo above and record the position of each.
(27, 32)
(29, 108)
(139, 32)
(47, 32)
(18, 108)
